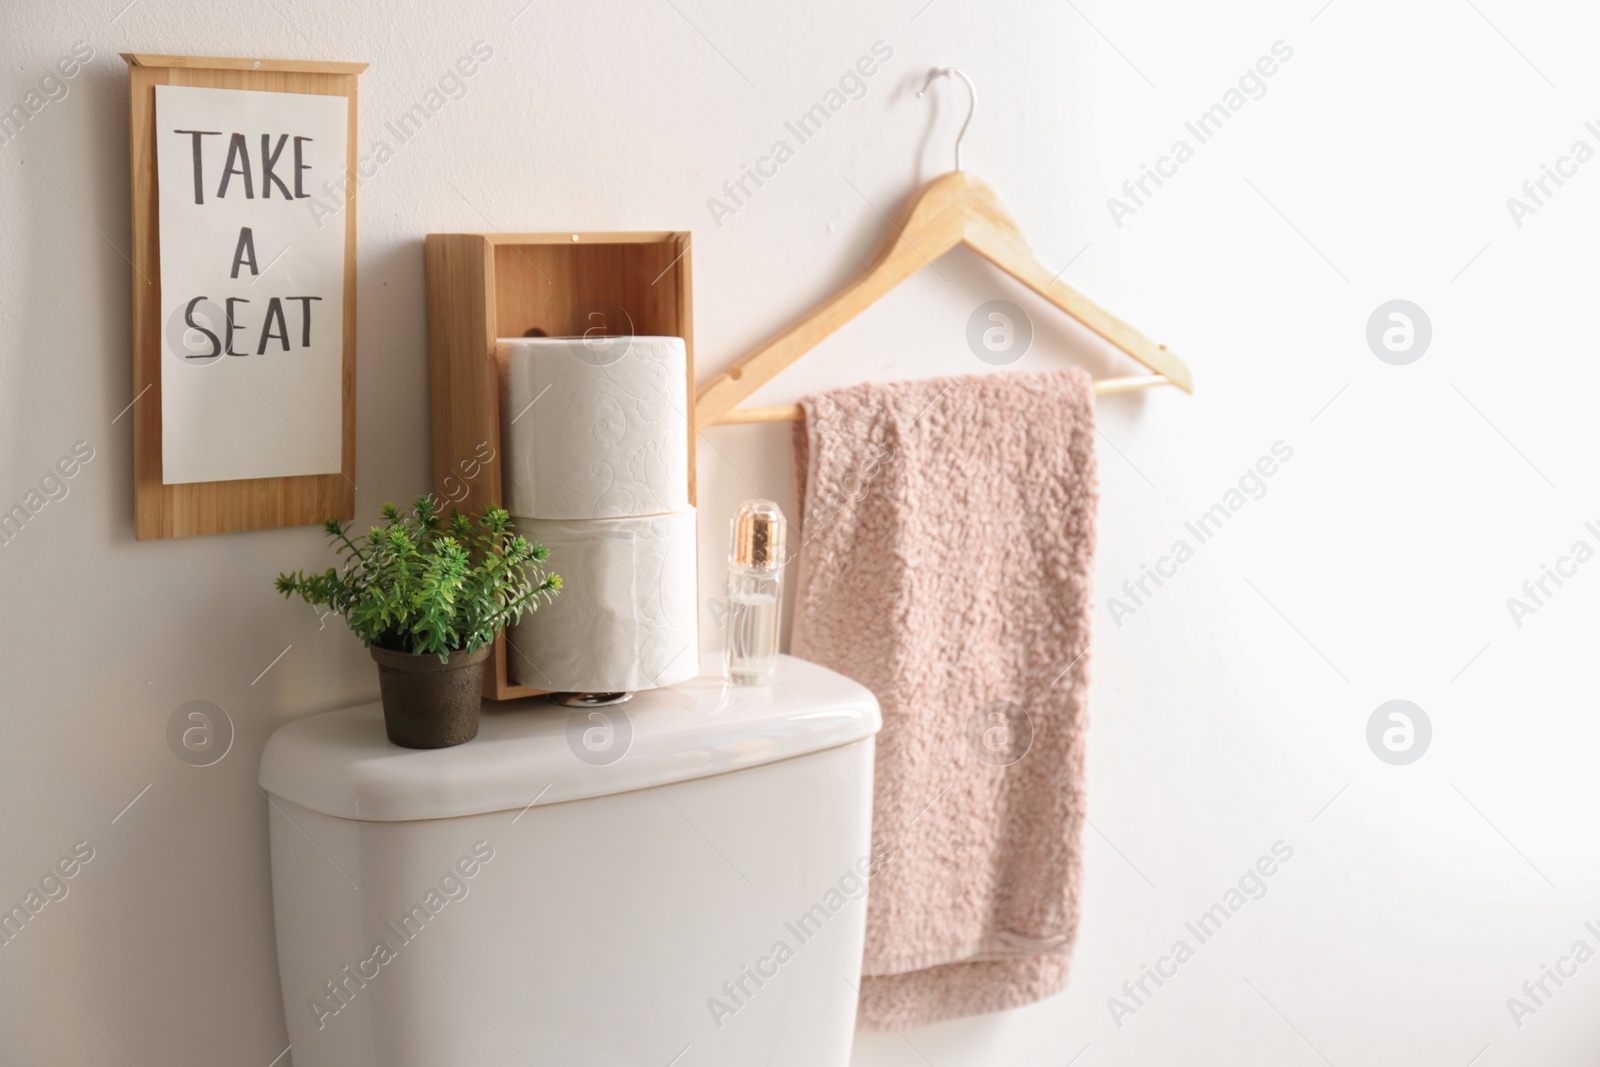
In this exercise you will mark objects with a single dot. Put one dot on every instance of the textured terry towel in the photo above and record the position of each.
(947, 544)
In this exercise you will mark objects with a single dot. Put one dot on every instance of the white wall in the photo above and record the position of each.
(1229, 712)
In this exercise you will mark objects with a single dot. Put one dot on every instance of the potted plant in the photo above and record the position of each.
(427, 597)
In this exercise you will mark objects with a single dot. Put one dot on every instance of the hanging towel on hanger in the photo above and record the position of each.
(947, 544)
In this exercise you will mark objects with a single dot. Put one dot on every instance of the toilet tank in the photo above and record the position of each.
(679, 880)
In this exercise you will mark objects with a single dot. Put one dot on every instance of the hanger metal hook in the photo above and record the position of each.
(972, 105)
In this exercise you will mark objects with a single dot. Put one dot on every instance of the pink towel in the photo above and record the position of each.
(947, 533)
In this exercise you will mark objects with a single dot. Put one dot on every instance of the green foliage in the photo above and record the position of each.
(423, 585)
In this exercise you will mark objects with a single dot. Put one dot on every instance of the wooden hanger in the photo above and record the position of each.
(956, 208)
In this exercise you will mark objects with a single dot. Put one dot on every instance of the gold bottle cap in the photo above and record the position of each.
(758, 535)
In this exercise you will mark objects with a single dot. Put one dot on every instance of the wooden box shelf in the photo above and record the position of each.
(483, 286)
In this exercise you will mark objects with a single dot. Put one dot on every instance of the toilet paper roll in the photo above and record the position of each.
(594, 427)
(625, 618)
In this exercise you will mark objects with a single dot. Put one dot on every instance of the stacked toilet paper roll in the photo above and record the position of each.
(595, 427)
(625, 618)
(596, 470)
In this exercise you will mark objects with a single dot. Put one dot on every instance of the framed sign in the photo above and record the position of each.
(244, 231)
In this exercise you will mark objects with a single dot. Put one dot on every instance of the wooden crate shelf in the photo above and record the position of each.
(483, 286)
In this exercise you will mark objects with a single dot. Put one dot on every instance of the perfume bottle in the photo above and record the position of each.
(755, 590)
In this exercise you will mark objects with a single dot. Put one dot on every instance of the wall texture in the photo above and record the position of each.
(1230, 703)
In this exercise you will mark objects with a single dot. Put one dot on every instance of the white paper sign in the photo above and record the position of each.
(252, 291)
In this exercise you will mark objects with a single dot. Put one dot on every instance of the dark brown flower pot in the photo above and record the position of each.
(428, 704)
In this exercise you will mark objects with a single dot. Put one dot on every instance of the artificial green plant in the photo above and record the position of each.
(426, 586)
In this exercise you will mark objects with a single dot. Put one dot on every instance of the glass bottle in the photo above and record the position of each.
(755, 591)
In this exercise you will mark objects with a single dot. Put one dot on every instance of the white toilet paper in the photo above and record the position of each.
(594, 428)
(625, 618)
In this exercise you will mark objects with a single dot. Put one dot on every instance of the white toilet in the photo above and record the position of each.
(679, 881)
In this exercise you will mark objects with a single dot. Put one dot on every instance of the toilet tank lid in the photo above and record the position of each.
(533, 752)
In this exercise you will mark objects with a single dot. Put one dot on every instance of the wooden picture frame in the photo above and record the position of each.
(184, 510)
(484, 286)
